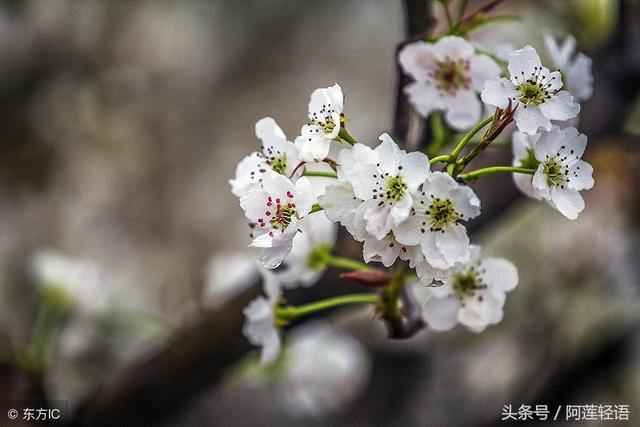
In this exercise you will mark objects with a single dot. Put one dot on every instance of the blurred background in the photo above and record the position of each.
(121, 124)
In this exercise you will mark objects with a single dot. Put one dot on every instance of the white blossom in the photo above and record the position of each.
(575, 66)
(325, 108)
(386, 187)
(562, 174)
(81, 280)
(323, 369)
(474, 295)
(533, 90)
(388, 249)
(301, 268)
(275, 210)
(435, 219)
(277, 154)
(260, 320)
(448, 75)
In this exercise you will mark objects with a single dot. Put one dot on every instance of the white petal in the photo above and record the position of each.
(539, 183)
(462, 110)
(580, 78)
(313, 144)
(529, 119)
(466, 202)
(415, 167)
(364, 180)
(580, 176)
(481, 69)
(454, 244)
(568, 202)
(410, 231)
(498, 274)
(560, 54)
(270, 348)
(523, 61)
(498, 92)
(439, 184)
(401, 209)
(424, 98)
(272, 136)
(277, 185)
(441, 313)
(254, 205)
(272, 257)
(521, 142)
(388, 154)
(248, 174)
(303, 196)
(377, 219)
(385, 251)
(478, 314)
(560, 107)
(339, 203)
(432, 254)
(418, 60)
(428, 274)
(453, 47)
(327, 102)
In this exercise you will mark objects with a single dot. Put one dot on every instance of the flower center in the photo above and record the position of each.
(279, 214)
(282, 216)
(553, 171)
(532, 92)
(279, 164)
(442, 213)
(396, 188)
(324, 119)
(466, 283)
(452, 75)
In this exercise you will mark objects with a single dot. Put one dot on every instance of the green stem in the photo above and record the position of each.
(440, 133)
(493, 56)
(320, 173)
(443, 158)
(315, 208)
(345, 263)
(464, 141)
(343, 134)
(486, 171)
(289, 313)
(462, 6)
(45, 331)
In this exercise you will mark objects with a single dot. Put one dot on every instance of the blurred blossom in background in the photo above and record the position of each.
(122, 123)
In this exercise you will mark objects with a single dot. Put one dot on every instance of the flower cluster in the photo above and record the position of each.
(406, 209)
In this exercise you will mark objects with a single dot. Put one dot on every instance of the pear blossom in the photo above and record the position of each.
(533, 90)
(386, 187)
(575, 66)
(524, 156)
(474, 295)
(275, 210)
(436, 214)
(323, 369)
(325, 109)
(277, 154)
(301, 266)
(562, 174)
(339, 201)
(260, 319)
(448, 75)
